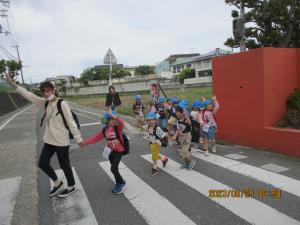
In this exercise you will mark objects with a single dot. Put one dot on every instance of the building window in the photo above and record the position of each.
(174, 70)
(205, 73)
(188, 65)
(179, 69)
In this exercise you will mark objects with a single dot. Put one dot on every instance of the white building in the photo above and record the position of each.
(62, 80)
(203, 63)
(165, 67)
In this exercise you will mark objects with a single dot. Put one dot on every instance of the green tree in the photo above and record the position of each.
(10, 65)
(144, 70)
(102, 73)
(185, 74)
(273, 23)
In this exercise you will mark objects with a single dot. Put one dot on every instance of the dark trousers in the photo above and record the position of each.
(62, 154)
(115, 158)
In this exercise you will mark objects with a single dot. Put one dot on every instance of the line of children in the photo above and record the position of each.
(203, 123)
(195, 125)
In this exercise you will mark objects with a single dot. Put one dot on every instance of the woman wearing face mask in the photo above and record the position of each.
(112, 99)
(56, 136)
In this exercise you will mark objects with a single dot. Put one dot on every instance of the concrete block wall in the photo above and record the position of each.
(10, 102)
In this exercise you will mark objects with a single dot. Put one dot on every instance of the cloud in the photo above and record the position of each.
(71, 35)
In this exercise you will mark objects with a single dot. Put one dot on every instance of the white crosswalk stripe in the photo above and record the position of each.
(260, 214)
(8, 193)
(74, 209)
(279, 181)
(154, 208)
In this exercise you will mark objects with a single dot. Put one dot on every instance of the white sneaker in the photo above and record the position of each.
(214, 149)
(206, 153)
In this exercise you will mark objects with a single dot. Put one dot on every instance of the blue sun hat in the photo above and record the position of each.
(174, 100)
(161, 99)
(182, 104)
(197, 104)
(137, 97)
(186, 101)
(207, 102)
(107, 116)
(151, 116)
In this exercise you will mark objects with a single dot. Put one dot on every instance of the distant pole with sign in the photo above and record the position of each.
(111, 60)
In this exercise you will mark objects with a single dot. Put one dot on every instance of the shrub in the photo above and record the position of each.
(292, 116)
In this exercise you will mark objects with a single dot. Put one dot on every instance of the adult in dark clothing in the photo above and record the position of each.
(112, 98)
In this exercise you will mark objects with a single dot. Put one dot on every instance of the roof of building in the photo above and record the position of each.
(213, 53)
(174, 57)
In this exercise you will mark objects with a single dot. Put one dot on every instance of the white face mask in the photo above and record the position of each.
(51, 97)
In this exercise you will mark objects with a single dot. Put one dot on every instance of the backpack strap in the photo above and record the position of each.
(118, 134)
(59, 111)
(103, 131)
(42, 120)
(154, 132)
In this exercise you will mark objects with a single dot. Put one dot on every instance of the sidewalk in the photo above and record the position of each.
(18, 160)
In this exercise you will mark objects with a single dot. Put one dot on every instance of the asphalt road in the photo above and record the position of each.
(175, 196)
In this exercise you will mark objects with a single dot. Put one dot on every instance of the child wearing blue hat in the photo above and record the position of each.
(138, 109)
(183, 133)
(197, 121)
(116, 145)
(157, 138)
(210, 125)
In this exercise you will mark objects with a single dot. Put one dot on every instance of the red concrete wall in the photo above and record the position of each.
(280, 79)
(252, 88)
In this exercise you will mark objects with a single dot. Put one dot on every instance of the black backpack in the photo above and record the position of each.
(125, 138)
(164, 141)
(59, 111)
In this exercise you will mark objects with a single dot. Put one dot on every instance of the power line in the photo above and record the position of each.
(7, 53)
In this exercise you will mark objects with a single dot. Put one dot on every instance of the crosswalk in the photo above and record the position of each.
(153, 206)
(279, 181)
(74, 210)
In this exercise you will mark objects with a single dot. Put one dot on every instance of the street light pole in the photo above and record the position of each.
(110, 70)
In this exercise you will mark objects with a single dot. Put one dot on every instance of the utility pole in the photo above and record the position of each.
(21, 70)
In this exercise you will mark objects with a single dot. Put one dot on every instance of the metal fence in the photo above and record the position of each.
(4, 86)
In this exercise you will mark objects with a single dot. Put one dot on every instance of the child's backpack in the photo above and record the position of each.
(59, 111)
(125, 138)
(195, 131)
(164, 141)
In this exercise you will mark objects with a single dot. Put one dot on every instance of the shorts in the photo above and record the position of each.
(155, 150)
(185, 146)
(211, 134)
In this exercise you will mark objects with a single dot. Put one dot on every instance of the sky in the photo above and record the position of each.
(68, 36)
